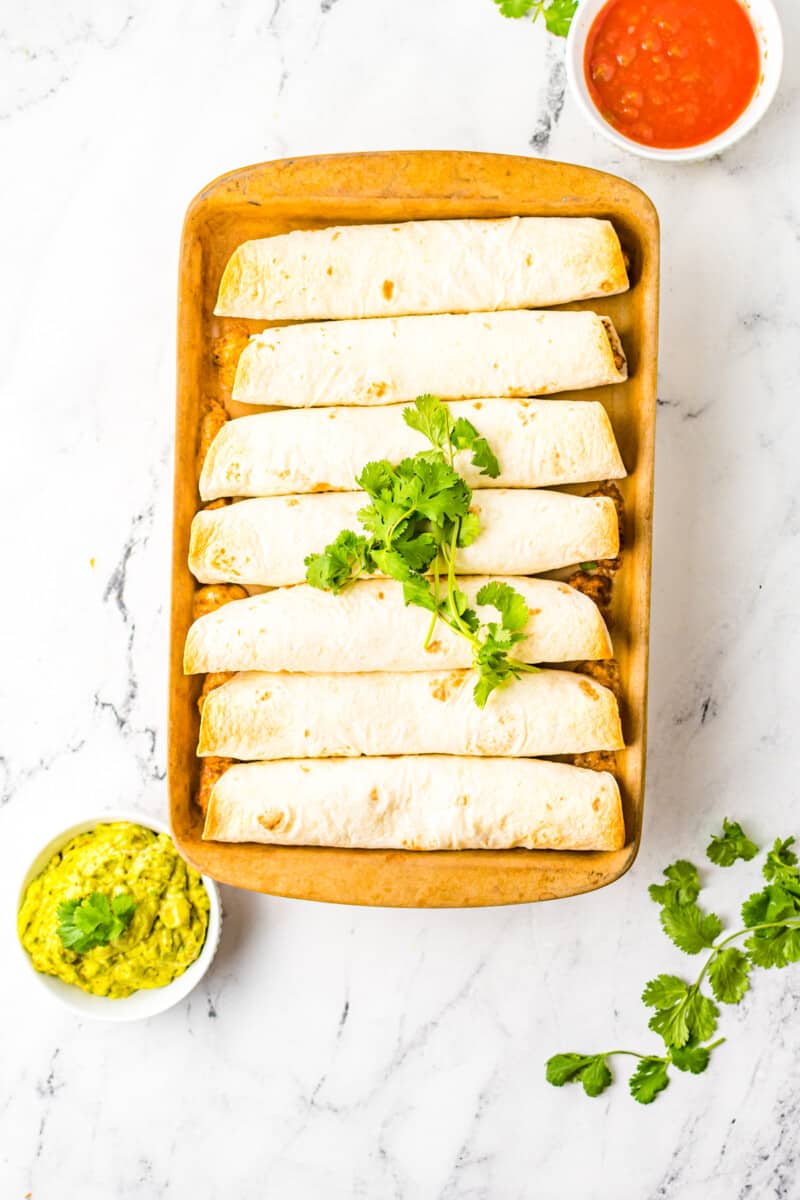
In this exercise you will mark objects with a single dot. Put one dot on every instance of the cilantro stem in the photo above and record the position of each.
(720, 946)
(435, 615)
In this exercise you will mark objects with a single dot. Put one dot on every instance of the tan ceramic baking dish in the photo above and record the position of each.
(310, 192)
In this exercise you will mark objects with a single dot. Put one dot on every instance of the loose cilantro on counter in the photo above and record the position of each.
(418, 518)
(684, 1016)
(557, 14)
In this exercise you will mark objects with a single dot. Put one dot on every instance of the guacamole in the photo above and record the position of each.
(151, 947)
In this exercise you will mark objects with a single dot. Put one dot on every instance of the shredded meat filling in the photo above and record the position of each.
(214, 595)
(212, 418)
(211, 769)
(226, 349)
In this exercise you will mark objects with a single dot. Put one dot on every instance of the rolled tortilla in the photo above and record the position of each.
(369, 628)
(418, 803)
(266, 541)
(422, 267)
(537, 443)
(260, 716)
(384, 361)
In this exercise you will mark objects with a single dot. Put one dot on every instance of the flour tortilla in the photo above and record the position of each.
(260, 716)
(422, 267)
(368, 628)
(538, 443)
(387, 360)
(418, 803)
(265, 542)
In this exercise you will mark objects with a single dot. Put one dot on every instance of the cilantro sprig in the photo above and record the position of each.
(417, 520)
(94, 921)
(557, 14)
(684, 1016)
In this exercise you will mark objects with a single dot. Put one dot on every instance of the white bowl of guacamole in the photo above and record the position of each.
(113, 922)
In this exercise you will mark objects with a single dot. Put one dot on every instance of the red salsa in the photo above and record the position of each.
(672, 73)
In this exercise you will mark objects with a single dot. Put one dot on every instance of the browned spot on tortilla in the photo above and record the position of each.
(306, 733)
(588, 690)
(374, 797)
(528, 261)
(433, 647)
(596, 803)
(380, 595)
(444, 688)
(534, 612)
(331, 416)
(335, 236)
(377, 389)
(270, 820)
(292, 503)
(265, 695)
(388, 288)
(321, 487)
(463, 801)
(478, 404)
(329, 271)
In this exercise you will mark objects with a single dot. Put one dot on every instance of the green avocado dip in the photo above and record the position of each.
(115, 910)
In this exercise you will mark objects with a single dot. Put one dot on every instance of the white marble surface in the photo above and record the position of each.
(336, 1052)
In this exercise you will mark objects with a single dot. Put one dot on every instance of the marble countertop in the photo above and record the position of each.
(335, 1052)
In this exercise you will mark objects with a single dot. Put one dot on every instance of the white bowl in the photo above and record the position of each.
(770, 41)
(149, 1001)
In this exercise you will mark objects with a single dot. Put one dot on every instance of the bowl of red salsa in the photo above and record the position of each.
(676, 80)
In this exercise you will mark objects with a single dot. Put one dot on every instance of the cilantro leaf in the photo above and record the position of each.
(596, 1077)
(588, 566)
(515, 8)
(682, 886)
(466, 437)
(728, 974)
(431, 418)
(726, 847)
(781, 864)
(774, 947)
(392, 563)
(589, 1069)
(691, 1057)
(558, 16)
(511, 605)
(417, 590)
(565, 1068)
(701, 1015)
(671, 1024)
(93, 921)
(681, 1012)
(469, 529)
(342, 562)
(689, 928)
(664, 991)
(754, 909)
(649, 1078)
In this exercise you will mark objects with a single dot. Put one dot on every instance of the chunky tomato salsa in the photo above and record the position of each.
(672, 73)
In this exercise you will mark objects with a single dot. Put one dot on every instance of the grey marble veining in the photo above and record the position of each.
(337, 1052)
